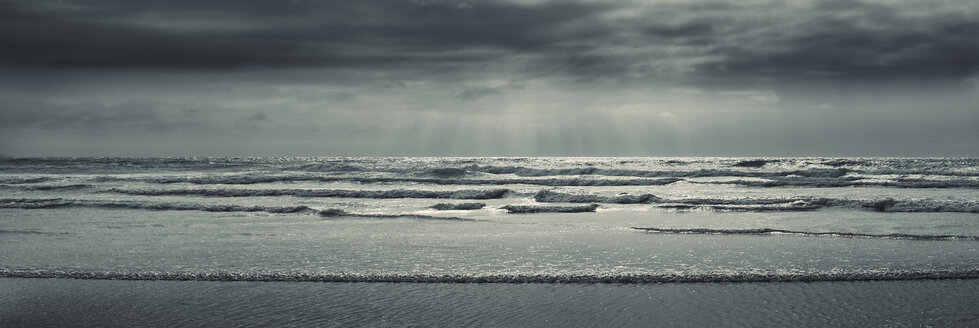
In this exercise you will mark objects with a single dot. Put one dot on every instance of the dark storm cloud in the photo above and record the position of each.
(807, 41)
(217, 35)
(870, 42)
(714, 40)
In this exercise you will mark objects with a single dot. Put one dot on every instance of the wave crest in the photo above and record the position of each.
(766, 204)
(19, 180)
(380, 194)
(335, 213)
(58, 202)
(460, 206)
(524, 209)
(548, 196)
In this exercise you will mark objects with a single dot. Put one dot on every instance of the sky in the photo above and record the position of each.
(489, 78)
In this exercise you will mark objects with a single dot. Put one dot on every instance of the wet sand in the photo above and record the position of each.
(109, 303)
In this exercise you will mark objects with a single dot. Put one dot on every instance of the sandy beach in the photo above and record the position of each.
(108, 303)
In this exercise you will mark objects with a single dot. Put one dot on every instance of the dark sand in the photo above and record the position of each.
(108, 303)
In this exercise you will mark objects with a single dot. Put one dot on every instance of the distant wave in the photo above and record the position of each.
(698, 173)
(327, 167)
(334, 167)
(522, 209)
(448, 172)
(454, 168)
(222, 179)
(547, 196)
(60, 203)
(555, 182)
(386, 194)
(460, 206)
(907, 171)
(809, 204)
(767, 231)
(809, 178)
(854, 275)
(817, 178)
(790, 207)
(255, 179)
(821, 182)
(18, 180)
(754, 163)
(842, 162)
(333, 213)
(892, 205)
(31, 232)
(48, 187)
(766, 204)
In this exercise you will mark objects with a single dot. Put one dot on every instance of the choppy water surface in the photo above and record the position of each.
(545, 220)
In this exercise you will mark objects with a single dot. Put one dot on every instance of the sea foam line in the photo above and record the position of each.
(528, 209)
(31, 204)
(769, 231)
(814, 179)
(256, 179)
(766, 204)
(709, 277)
(380, 194)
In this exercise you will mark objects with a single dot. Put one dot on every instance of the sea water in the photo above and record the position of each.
(491, 220)
(523, 219)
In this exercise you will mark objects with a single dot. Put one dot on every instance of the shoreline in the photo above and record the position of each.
(638, 278)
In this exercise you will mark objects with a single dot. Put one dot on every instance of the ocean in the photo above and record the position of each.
(507, 226)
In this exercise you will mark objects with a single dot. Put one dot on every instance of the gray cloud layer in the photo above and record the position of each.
(433, 77)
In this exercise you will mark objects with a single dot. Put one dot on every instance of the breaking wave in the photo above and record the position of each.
(256, 179)
(334, 213)
(699, 173)
(327, 167)
(384, 194)
(460, 206)
(522, 209)
(767, 231)
(791, 207)
(49, 187)
(62, 203)
(635, 278)
(821, 182)
(767, 204)
(809, 204)
(547, 196)
(445, 173)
